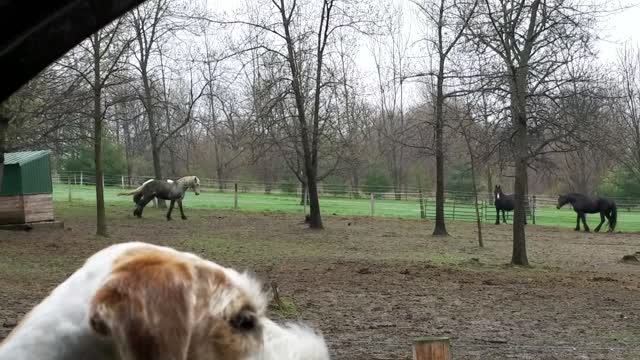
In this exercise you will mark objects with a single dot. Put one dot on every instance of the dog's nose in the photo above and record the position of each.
(245, 320)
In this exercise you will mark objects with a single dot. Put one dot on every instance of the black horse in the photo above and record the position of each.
(164, 190)
(583, 204)
(504, 203)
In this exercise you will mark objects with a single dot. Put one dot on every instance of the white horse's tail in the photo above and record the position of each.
(136, 190)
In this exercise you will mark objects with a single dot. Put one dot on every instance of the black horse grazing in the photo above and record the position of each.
(503, 203)
(583, 204)
(164, 190)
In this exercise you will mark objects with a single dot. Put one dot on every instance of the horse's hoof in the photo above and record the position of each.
(184, 218)
(587, 230)
(576, 229)
(168, 219)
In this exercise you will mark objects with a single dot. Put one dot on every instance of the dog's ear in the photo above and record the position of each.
(145, 307)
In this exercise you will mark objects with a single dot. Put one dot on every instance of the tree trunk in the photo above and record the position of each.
(127, 150)
(477, 206)
(101, 220)
(101, 225)
(310, 144)
(173, 163)
(220, 175)
(519, 256)
(303, 186)
(395, 173)
(153, 134)
(475, 185)
(440, 228)
(355, 182)
(519, 120)
(314, 203)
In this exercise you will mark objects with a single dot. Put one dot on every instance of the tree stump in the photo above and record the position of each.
(276, 296)
(431, 348)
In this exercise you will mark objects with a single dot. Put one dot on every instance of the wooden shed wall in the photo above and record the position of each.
(20, 209)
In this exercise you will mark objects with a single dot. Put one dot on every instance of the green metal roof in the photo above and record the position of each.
(22, 157)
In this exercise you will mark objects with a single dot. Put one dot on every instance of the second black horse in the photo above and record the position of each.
(504, 203)
(583, 204)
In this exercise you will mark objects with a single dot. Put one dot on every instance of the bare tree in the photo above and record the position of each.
(627, 150)
(354, 125)
(149, 22)
(302, 42)
(154, 23)
(105, 50)
(446, 22)
(467, 127)
(390, 57)
(534, 41)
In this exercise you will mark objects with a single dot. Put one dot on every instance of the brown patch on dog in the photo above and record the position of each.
(157, 305)
(145, 306)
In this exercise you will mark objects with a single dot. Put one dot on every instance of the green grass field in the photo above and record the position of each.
(341, 206)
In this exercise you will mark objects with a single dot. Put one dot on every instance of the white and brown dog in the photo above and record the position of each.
(137, 301)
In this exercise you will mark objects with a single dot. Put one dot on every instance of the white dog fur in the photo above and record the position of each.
(89, 316)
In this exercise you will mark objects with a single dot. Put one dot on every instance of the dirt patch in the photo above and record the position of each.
(373, 285)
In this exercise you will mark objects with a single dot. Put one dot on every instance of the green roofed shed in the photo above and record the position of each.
(27, 172)
(26, 190)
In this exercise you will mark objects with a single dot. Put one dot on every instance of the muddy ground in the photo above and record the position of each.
(373, 285)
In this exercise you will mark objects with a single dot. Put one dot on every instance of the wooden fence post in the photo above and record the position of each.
(235, 196)
(431, 348)
(454, 208)
(484, 202)
(69, 185)
(81, 181)
(426, 208)
(533, 210)
(372, 204)
(423, 214)
(122, 181)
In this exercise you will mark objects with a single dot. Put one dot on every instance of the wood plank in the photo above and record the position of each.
(38, 207)
(12, 219)
(19, 209)
(11, 209)
(39, 218)
(431, 348)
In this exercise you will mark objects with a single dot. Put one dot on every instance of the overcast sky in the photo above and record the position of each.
(616, 29)
(619, 27)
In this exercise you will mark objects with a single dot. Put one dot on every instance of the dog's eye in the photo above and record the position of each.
(244, 320)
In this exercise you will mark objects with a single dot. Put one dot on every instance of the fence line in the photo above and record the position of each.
(407, 193)
(417, 205)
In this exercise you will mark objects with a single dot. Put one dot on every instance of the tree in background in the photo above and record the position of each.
(445, 22)
(535, 42)
(97, 63)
